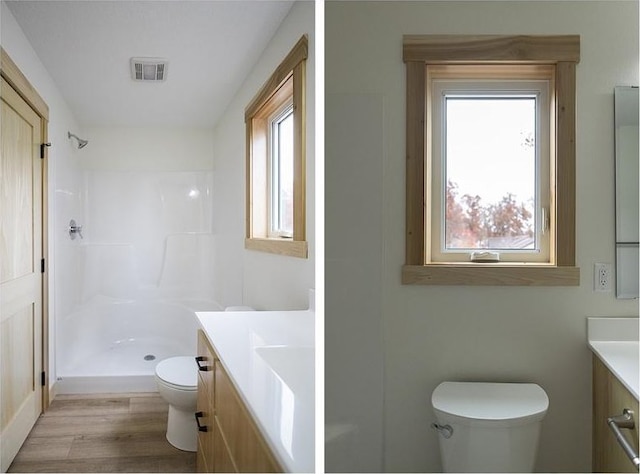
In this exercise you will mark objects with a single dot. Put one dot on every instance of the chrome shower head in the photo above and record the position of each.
(81, 143)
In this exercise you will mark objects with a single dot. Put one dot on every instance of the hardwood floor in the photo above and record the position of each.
(103, 433)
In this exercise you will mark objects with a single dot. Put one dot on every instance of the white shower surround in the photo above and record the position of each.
(145, 266)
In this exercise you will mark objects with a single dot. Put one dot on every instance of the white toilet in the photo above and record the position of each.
(177, 380)
(488, 427)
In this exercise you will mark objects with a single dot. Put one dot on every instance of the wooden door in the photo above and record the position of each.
(21, 279)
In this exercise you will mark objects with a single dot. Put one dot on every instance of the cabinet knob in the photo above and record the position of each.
(199, 415)
(202, 368)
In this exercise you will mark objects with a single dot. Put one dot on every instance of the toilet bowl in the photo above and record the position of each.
(488, 427)
(177, 381)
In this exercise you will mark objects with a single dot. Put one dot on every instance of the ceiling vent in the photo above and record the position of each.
(148, 69)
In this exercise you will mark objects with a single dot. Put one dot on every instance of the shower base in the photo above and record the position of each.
(126, 366)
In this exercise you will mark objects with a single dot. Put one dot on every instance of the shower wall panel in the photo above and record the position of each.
(147, 232)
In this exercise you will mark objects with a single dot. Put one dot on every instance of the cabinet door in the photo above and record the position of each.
(222, 460)
(610, 398)
(248, 450)
(201, 463)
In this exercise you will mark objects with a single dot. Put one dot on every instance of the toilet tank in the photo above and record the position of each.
(488, 427)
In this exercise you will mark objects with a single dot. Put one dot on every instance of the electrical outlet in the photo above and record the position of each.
(602, 277)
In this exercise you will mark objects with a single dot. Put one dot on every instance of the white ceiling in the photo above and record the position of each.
(211, 46)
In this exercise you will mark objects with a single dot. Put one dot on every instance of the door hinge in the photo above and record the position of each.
(42, 265)
(42, 147)
(43, 378)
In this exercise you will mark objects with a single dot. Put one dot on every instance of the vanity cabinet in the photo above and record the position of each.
(610, 398)
(228, 438)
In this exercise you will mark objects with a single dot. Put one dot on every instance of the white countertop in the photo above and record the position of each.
(269, 356)
(615, 342)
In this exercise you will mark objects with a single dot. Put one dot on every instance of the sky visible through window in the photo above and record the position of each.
(489, 147)
(490, 153)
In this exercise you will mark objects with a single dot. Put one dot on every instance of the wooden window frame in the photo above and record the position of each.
(288, 80)
(561, 52)
(504, 81)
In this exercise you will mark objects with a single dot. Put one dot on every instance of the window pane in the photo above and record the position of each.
(490, 172)
(282, 186)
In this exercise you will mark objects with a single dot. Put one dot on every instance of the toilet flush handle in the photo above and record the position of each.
(444, 430)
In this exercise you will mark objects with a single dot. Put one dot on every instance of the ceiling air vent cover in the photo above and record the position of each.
(148, 69)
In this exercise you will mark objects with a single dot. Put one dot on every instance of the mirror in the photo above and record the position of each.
(626, 157)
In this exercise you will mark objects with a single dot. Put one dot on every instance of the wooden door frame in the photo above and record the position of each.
(12, 74)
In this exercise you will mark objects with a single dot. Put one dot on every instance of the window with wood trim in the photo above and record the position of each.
(275, 167)
(490, 160)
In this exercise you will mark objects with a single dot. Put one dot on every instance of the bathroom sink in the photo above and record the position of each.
(294, 366)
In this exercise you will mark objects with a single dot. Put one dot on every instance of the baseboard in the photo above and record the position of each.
(106, 384)
(53, 391)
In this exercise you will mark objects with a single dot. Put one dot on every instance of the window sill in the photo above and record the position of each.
(289, 248)
(491, 274)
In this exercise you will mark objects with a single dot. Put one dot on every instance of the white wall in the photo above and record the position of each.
(430, 334)
(148, 149)
(355, 143)
(64, 182)
(264, 281)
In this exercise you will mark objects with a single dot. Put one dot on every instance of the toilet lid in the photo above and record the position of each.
(181, 371)
(490, 401)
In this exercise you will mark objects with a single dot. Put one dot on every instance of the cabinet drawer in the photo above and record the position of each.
(245, 443)
(206, 362)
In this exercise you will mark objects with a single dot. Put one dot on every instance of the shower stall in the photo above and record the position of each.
(143, 265)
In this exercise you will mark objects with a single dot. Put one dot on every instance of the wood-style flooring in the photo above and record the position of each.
(103, 433)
